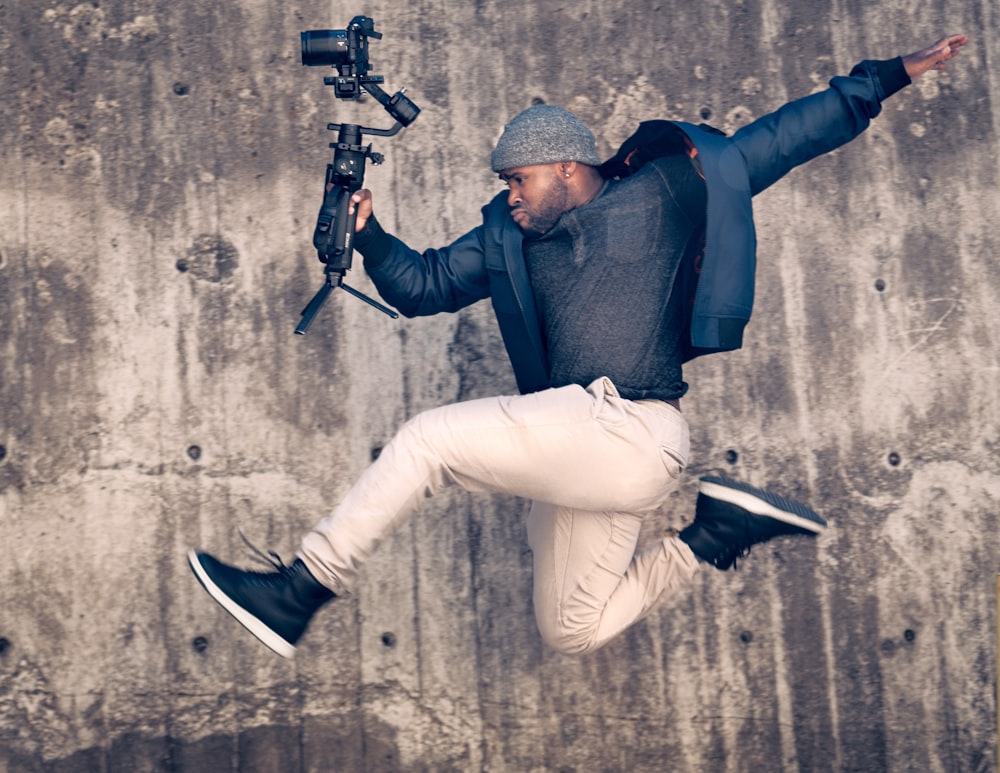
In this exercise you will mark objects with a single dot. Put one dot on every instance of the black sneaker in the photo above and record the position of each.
(274, 606)
(730, 517)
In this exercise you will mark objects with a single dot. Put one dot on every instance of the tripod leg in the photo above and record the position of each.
(310, 310)
(358, 294)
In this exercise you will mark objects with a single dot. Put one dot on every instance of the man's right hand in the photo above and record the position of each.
(361, 202)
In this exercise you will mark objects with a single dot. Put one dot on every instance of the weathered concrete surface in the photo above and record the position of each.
(161, 166)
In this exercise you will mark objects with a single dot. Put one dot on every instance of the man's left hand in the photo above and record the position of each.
(934, 57)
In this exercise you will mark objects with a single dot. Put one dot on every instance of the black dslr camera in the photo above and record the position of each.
(347, 50)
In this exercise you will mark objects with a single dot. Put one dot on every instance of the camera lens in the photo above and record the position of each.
(324, 47)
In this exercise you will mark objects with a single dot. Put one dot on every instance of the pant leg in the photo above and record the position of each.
(579, 448)
(589, 583)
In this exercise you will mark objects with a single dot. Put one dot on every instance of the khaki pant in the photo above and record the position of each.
(593, 463)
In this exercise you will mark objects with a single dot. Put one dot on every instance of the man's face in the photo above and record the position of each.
(538, 197)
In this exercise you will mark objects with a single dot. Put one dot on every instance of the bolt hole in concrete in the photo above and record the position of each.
(880, 285)
(194, 452)
(199, 643)
(389, 639)
(5, 645)
(894, 459)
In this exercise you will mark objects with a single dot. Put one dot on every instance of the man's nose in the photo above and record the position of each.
(513, 198)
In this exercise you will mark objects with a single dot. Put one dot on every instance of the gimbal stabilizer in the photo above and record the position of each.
(347, 50)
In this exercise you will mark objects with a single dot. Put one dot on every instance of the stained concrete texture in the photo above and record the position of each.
(161, 166)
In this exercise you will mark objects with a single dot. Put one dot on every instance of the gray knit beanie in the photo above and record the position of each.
(544, 134)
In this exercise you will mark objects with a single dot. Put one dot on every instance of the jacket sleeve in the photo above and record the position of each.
(429, 282)
(776, 143)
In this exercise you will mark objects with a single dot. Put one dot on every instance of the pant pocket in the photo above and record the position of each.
(673, 462)
(675, 445)
(609, 407)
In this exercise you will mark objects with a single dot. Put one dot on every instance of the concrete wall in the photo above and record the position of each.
(161, 166)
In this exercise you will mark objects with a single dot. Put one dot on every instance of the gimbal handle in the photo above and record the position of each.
(333, 236)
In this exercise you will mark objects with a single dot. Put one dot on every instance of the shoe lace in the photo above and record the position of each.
(727, 557)
(735, 551)
(730, 558)
(270, 558)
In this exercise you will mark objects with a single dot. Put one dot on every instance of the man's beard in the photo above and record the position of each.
(539, 221)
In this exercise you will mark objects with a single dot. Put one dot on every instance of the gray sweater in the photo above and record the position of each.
(603, 279)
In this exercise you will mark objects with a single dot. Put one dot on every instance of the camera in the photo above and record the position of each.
(345, 49)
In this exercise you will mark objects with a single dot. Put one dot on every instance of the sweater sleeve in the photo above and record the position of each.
(892, 77)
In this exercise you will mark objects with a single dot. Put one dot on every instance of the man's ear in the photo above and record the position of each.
(567, 168)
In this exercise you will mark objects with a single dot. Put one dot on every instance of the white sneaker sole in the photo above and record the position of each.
(272, 640)
(758, 506)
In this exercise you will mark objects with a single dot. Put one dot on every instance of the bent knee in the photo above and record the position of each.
(569, 639)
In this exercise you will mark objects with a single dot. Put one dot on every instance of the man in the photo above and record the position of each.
(592, 283)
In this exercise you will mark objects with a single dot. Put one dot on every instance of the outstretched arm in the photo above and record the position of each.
(935, 56)
(801, 130)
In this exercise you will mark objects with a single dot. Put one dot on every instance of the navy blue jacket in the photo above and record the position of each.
(488, 261)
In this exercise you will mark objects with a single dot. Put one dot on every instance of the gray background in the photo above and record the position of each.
(161, 166)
